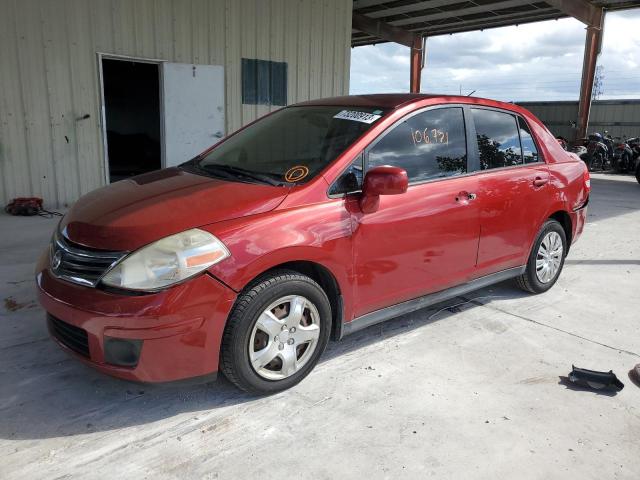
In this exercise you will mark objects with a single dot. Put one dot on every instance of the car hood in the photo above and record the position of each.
(129, 214)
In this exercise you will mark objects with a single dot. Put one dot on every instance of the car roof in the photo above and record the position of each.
(397, 100)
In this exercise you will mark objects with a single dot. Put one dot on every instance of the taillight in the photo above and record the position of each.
(587, 180)
(621, 145)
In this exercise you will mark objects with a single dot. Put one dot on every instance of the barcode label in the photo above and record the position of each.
(363, 117)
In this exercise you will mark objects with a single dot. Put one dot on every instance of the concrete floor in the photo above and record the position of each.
(471, 391)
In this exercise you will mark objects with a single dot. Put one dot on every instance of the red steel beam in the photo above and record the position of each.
(581, 10)
(592, 47)
(385, 31)
(381, 30)
(416, 64)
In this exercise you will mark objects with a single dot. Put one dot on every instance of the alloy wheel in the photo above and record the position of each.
(284, 337)
(549, 257)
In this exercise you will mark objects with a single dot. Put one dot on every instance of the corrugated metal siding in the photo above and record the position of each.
(618, 117)
(49, 71)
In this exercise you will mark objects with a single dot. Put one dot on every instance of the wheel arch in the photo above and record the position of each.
(324, 277)
(564, 219)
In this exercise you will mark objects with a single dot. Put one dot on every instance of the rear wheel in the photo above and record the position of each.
(545, 260)
(276, 333)
(594, 161)
(638, 172)
(622, 164)
(618, 165)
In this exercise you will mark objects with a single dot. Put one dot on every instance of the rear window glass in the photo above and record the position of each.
(529, 150)
(498, 139)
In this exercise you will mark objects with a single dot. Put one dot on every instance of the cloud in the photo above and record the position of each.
(539, 61)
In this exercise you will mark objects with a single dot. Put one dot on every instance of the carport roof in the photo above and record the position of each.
(440, 17)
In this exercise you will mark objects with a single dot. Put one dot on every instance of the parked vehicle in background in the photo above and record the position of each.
(564, 143)
(634, 144)
(608, 141)
(597, 155)
(623, 157)
(579, 150)
(315, 221)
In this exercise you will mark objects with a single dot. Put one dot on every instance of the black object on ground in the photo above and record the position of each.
(596, 380)
(634, 375)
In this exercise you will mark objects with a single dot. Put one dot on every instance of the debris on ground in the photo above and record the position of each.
(595, 380)
(11, 305)
(634, 375)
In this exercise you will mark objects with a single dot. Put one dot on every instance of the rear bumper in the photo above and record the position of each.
(179, 330)
(578, 220)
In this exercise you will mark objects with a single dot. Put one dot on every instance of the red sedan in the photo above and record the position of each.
(313, 222)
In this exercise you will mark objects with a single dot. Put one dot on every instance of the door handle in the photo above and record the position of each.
(539, 181)
(465, 197)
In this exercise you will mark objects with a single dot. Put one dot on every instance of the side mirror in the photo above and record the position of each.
(383, 180)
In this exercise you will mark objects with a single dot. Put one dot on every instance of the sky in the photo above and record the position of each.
(537, 61)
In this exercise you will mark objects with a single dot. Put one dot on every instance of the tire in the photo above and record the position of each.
(638, 173)
(530, 280)
(622, 163)
(602, 158)
(589, 161)
(595, 161)
(618, 165)
(243, 333)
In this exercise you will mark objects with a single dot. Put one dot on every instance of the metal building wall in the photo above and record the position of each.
(49, 72)
(618, 117)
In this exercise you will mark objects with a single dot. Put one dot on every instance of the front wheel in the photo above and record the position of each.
(276, 332)
(545, 260)
(638, 173)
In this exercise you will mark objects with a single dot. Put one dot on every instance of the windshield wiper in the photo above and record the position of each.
(230, 171)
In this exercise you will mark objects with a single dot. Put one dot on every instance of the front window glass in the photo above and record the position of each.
(290, 146)
(428, 145)
(498, 139)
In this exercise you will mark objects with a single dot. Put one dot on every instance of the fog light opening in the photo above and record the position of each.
(122, 352)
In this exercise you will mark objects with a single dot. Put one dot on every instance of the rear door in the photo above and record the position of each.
(513, 189)
(426, 239)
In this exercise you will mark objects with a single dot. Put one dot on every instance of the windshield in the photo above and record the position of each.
(291, 146)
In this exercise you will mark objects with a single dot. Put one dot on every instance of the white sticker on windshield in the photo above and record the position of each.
(363, 117)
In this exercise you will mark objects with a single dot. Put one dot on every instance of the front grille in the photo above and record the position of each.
(79, 264)
(69, 335)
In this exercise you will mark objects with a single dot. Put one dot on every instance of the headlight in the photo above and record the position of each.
(167, 261)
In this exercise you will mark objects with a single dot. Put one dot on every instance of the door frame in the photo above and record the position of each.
(103, 114)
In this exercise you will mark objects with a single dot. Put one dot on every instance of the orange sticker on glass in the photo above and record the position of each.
(297, 173)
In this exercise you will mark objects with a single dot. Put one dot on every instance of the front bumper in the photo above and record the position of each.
(180, 328)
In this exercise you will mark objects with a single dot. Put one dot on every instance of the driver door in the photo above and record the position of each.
(426, 239)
